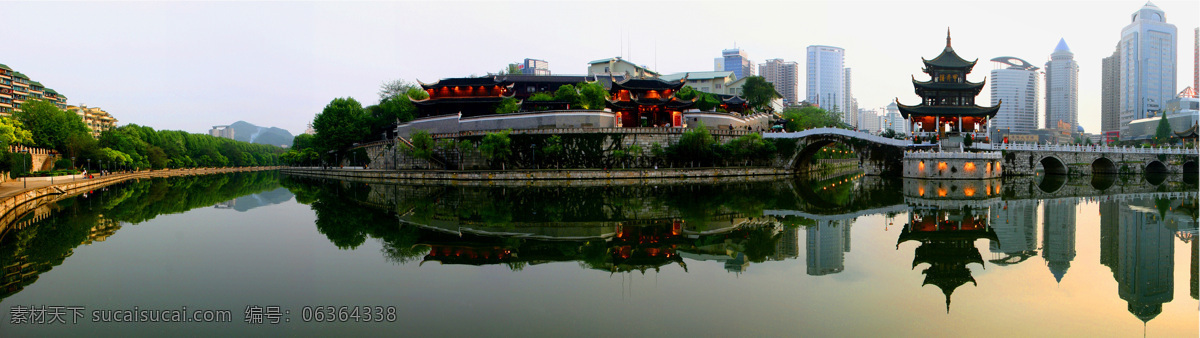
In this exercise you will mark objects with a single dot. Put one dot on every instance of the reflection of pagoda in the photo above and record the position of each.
(948, 100)
(646, 247)
(648, 102)
(947, 238)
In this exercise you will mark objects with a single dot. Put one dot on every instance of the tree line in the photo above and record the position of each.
(133, 147)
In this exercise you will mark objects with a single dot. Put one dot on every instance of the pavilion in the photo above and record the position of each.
(947, 107)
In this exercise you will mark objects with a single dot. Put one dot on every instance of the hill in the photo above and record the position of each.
(244, 131)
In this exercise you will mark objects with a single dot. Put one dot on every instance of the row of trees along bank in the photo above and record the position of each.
(503, 150)
(42, 124)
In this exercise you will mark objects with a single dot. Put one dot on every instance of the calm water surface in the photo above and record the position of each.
(838, 255)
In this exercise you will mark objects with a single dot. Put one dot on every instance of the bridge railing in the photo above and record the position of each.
(840, 132)
(1079, 148)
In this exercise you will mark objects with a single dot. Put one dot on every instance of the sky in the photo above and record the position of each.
(192, 65)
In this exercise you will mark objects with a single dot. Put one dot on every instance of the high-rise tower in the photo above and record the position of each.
(1017, 86)
(1062, 87)
(824, 78)
(785, 75)
(1148, 64)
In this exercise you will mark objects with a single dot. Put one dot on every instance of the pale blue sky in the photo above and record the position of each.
(192, 65)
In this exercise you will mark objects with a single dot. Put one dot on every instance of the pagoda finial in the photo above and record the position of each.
(947, 37)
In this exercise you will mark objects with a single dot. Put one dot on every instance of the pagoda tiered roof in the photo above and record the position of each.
(933, 85)
(948, 59)
(923, 110)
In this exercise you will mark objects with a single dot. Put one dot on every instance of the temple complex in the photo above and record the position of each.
(470, 96)
(947, 110)
(648, 102)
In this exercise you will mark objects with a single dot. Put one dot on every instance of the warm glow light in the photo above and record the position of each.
(969, 191)
(941, 192)
(921, 167)
(941, 166)
(921, 189)
(969, 167)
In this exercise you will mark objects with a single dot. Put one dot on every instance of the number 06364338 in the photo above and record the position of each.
(345, 314)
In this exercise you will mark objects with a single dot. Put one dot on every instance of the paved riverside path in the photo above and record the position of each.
(16, 186)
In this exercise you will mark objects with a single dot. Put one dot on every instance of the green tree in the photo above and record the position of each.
(339, 125)
(567, 93)
(592, 95)
(1163, 134)
(508, 106)
(50, 126)
(541, 97)
(496, 147)
(422, 145)
(759, 92)
(302, 141)
(553, 149)
(810, 117)
(12, 132)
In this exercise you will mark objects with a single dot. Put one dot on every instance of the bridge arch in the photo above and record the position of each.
(1156, 167)
(1104, 165)
(1052, 183)
(1052, 165)
(1190, 167)
(876, 155)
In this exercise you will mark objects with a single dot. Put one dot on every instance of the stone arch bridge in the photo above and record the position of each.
(883, 156)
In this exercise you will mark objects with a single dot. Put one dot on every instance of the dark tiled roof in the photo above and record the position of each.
(922, 109)
(464, 81)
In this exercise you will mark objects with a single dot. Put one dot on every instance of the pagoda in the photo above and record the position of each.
(647, 102)
(947, 110)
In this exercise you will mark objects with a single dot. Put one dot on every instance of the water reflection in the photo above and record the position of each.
(739, 226)
(50, 234)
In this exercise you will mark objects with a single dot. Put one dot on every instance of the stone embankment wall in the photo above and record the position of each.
(542, 177)
(384, 155)
(14, 205)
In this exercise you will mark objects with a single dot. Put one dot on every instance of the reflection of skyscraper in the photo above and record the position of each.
(1195, 277)
(1058, 242)
(1110, 235)
(1146, 272)
(824, 246)
(1016, 232)
(789, 246)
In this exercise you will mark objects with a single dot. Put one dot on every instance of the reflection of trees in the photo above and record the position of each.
(48, 242)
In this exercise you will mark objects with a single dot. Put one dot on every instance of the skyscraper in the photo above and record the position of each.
(785, 75)
(849, 104)
(1062, 87)
(825, 85)
(1017, 86)
(736, 61)
(1110, 96)
(1148, 64)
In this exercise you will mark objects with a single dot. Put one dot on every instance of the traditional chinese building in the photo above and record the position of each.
(947, 107)
(647, 102)
(947, 238)
(470, 96)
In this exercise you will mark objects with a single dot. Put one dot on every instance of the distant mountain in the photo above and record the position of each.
(246, 132)
(252, 201)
